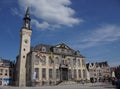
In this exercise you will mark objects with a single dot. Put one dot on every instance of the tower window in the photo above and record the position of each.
(24, 49)
(23, 56)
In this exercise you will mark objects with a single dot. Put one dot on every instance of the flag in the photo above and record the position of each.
(52, 56)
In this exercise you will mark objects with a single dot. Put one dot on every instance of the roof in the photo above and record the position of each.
(55, 49)
(5, 62)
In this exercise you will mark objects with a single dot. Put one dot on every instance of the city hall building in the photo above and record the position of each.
(46, 64)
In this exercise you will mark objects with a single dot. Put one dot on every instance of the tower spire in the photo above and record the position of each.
(27, 19)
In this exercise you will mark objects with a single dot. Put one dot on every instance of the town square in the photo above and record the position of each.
(59, 44)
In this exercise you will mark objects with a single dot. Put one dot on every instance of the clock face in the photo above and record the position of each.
(26, 41)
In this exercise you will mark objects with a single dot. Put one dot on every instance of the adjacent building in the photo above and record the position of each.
(46, 64)
(6, 72)
(99, 71)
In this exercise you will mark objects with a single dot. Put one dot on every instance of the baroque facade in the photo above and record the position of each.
(45, 64)
(53, 64)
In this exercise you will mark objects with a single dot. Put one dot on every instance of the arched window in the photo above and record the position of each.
(83, 62)
(44, 60)
(50, 61)
(68, 61)
(79, 62)
(79, 73)
(43, 49)
(74, 61)
(84, 74)
(57, 60)
(37, 59)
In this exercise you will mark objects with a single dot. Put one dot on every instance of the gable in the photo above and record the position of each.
(64, 46)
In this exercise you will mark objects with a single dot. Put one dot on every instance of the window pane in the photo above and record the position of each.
(79, 71)
(78, 62)
(83, 73)
(43, 73)
(36, 73)
(75, 73)
(69, 74)
(57, 60)
(74, 62)
(57, 73)
(50, 61)
(50, 73)
(44, 60)
(68, 61)
(37, 59)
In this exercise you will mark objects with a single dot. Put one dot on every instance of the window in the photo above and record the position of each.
(75, 73)
(36, 73)
(37, 59)
(83, 63)
(43, 49)
(62, 51)
(1, 71)
(62, 62)
(50, 73)
(74, 62)
(44, 60)
(50, 61)
(65, 62)
(23, 56)
(79, 73)
(84, 75)
(6, 72)
(69, 74)
(24, 49)
(44, 73)
(57, 73)
(57, 60)
(79, 62)
(10, 73)
(68, 61)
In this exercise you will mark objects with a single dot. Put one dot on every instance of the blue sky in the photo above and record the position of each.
(91, 26)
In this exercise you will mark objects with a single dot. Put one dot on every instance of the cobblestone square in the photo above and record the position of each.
(68, 86)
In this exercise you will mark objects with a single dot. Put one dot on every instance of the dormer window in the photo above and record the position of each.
(43, 49)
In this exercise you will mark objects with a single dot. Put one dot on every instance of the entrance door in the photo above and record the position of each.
(64, 74)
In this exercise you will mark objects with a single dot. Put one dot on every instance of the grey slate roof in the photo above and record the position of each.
(49, 49)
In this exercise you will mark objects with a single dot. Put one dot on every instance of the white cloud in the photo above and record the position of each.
(43, 25)
(99, 36)
(105, 33)
(52, 12)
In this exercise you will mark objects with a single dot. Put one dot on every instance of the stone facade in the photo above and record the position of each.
(53, 64)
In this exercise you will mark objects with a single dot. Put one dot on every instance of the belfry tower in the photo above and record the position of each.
(25, 40)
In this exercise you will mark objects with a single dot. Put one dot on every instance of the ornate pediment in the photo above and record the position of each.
(63, 46)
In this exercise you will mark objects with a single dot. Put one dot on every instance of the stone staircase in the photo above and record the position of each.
(67, 83)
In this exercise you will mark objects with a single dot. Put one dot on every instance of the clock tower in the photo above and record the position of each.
(25, 40)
